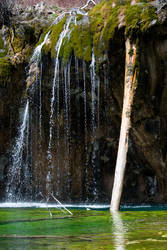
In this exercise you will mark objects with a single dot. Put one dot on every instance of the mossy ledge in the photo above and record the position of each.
(104, 20)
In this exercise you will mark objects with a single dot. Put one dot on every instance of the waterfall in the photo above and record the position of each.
(86, 179)
(67, 135)
(70, 84)
(55, 80)
(40, 101)
(17, 168)
(95, 123)
(55, 88)
(19, 174)
(98, 102)
(77, 96)
(36, 57)
(36, 111)
(93, 90)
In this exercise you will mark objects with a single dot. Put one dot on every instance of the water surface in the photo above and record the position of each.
(34, 228)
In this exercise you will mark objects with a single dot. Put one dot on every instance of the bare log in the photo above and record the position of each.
(129, 87)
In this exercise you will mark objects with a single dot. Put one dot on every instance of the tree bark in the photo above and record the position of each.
(129, 88)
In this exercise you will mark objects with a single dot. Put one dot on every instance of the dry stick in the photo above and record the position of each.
(130, 79)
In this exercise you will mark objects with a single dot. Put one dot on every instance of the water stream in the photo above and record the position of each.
(55, 87)
(19, 174)
(18, 169)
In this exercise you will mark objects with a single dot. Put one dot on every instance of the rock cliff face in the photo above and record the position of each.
(84, 149)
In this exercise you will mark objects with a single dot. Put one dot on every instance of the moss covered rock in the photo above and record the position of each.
(5, 70)
(103, 22)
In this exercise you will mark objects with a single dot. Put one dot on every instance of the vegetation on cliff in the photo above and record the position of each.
(93, 31)
(5, 70)
(104, 20)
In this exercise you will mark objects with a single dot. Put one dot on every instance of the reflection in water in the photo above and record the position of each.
(118, 231)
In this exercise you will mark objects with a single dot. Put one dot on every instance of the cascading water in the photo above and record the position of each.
(78, 95)
(93, 91)
(67, 123)
(36, 57)
(40, 101)
(19, 174)
(95, 94)
(62, 36)
(54, 149)
(35, 92)
(18, 169)
(86, 179)
(74, 119)
(98, 102)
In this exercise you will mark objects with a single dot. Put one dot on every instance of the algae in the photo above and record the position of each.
(85, 230)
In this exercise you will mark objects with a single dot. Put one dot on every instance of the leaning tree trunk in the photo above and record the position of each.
(130, 79)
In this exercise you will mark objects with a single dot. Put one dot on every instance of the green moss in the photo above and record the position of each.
(18, 44)
(54, 36)
(5, 69)
(42, 38)
(79, 17)
(17, 39)
(76, 41)
(66, 50)
(139, 17)
(98, 16)
(79, 42)
(1, 43)
(55, 31)
(147, 16)
(86, 41)
(111, 25)
(20, 36)
(104, 21)
(97, 8)
(132, 17)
